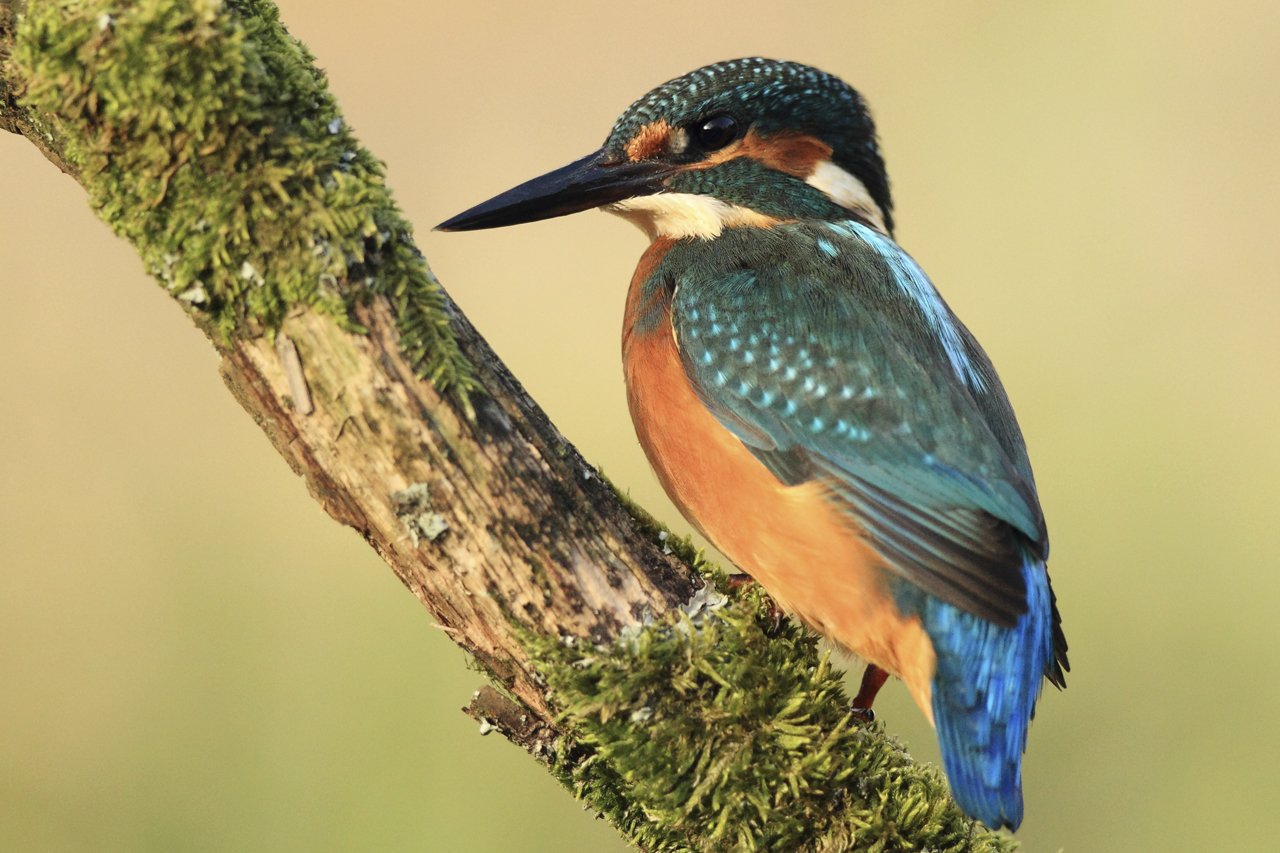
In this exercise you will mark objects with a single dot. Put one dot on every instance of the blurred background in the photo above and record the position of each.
(194, 657)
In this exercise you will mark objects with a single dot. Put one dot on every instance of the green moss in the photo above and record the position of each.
(725, 731)
(206, 136)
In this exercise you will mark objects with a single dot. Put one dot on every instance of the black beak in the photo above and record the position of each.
(590, 182)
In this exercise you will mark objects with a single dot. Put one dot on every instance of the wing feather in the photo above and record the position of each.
(810, 346)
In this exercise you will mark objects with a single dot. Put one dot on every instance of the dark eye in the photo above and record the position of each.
(715, 132)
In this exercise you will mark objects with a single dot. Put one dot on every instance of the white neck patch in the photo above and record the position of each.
(847, 191)
(682, 215)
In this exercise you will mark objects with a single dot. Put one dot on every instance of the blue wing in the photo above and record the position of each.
(830, 355)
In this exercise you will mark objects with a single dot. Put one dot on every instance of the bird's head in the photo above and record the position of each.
(743, 142)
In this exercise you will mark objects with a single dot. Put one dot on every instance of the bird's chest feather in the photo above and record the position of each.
(809, 556)
(704, 468)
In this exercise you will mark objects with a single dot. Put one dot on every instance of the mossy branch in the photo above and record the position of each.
(203, 134)
(206, 137)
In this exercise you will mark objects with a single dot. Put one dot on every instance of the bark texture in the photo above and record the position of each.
(492, 521)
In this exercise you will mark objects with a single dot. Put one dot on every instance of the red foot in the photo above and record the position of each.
(872, 680)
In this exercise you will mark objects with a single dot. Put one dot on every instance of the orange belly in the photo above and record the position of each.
(808, 555)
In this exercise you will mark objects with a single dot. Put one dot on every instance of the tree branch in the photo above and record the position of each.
(204, 135)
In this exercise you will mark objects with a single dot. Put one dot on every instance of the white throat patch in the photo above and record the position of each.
(682, 215)
(847, 191)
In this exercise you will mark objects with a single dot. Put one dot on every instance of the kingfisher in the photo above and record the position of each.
(815, 409)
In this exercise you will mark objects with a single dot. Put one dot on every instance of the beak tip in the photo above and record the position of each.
(586, 183)
(458, 224)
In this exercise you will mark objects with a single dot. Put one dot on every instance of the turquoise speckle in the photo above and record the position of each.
(827, 247)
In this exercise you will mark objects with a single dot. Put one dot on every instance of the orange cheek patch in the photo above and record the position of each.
(652, 141)
(795, 154)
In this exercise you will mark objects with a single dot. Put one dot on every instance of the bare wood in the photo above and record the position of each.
(527, 532)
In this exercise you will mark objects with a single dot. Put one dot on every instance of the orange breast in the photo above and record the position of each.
(791, 539)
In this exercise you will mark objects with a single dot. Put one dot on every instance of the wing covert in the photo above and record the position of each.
(829, 368)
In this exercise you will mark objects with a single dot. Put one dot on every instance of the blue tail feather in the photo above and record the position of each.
(984, 696)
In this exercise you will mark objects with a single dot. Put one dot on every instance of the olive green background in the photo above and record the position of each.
(193, 657)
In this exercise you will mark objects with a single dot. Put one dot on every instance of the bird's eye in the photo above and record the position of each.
(715, 132)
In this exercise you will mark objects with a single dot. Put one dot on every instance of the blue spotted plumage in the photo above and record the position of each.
(801, 388)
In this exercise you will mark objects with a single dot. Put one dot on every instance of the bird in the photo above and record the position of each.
(813, 406)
